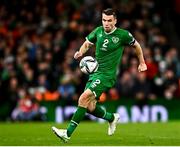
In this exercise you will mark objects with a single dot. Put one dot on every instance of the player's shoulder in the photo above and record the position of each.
(99, 28)
(123, 32)
(120, 30)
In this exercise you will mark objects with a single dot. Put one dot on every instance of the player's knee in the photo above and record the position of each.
(83, 100)
(91, 107)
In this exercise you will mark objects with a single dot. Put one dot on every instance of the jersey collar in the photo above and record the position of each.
(110, 32)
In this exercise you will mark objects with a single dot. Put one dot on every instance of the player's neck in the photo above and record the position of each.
(110, 32)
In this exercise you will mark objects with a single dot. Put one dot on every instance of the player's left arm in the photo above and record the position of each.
(142, 65)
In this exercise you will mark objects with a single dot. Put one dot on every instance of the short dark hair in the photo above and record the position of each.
(109, 11)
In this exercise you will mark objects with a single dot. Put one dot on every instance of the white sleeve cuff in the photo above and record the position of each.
(132, 42)
(89, 41)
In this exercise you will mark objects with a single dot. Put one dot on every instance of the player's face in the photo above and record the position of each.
(108, 22)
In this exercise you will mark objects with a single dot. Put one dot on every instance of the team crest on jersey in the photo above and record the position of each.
(115, 39)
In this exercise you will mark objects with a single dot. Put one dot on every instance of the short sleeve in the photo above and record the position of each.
(128, 38)
(92, 37)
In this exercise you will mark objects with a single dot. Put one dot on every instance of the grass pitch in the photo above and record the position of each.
(91, 134)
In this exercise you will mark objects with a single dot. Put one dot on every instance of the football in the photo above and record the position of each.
(88, 65)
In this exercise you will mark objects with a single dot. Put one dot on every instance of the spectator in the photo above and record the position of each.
(27, 108)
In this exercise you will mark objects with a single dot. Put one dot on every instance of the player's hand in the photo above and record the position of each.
(77, 55)
(142, 67)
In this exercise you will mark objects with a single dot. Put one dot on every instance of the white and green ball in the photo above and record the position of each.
(88, 65)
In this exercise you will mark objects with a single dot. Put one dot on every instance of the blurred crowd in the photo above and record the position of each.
(38, 39)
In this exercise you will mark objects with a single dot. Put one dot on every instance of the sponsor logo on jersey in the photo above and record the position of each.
(115, 39)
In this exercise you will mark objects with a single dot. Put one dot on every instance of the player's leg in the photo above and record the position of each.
(97, 110)
(100, 112)
(97, 89)
(83, 103)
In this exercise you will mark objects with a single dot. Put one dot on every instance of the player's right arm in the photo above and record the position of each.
(83, 49)
(90, 41)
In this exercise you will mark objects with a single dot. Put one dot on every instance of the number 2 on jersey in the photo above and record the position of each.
(95, 83)
(106, 41)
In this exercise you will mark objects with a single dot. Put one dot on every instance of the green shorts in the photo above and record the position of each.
(98, 83)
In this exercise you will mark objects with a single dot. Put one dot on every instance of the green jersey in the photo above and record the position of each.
(109, 49)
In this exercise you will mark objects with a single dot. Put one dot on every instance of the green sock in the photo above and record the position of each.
(77, 117)
(101, 113)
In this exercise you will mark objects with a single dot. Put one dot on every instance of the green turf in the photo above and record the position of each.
(91, 133)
